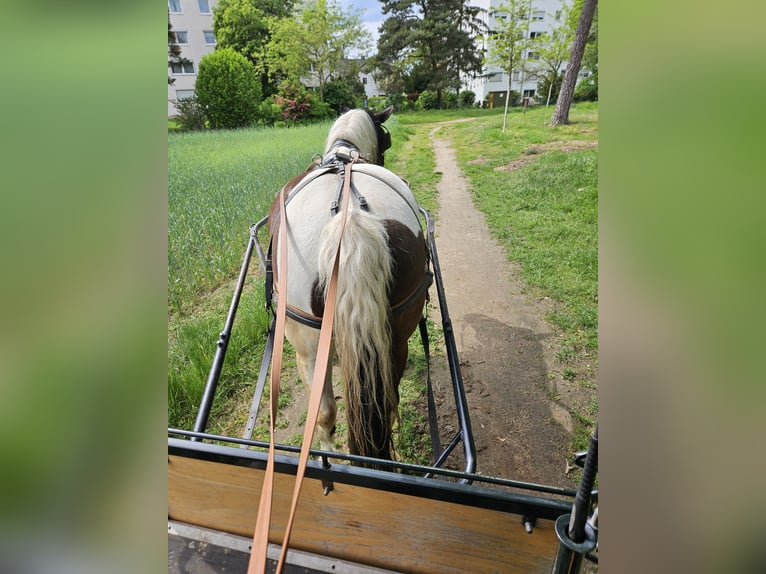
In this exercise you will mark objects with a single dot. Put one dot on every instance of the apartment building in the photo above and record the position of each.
(192, 22)
(490, 87)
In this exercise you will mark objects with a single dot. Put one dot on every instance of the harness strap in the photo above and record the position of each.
(257, 564)
(305, 318)
(320, 368)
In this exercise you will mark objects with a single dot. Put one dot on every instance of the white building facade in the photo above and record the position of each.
(192, 22)
(192, 28)
(490, 87)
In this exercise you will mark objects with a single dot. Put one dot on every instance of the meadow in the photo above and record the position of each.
(219, 183)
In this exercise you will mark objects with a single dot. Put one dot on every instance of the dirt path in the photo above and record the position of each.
(506, 348)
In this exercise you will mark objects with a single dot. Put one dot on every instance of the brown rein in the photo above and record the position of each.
(260, 545)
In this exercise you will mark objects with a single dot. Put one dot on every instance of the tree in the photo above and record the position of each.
(244, 26)
(228, 89)
(508, 41)
(316, 42)
(564, 101)
(174, 51)
(430, 41)
(553, 49)
(588, 88)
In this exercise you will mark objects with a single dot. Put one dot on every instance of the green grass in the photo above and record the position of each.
(545, 214)
(219, 183)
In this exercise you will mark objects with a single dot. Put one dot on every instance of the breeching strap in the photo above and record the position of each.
(257, 563)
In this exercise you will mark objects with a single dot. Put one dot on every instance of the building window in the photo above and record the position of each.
(533, 56)
(209, 38)
(182, 67)
(533, 35)
(184, 94)
(174, 6)
(515, 75)
(529, 93)
(364, 80)
(538, 15)
(558, 15)
(179, 37)
(204, 6)
(494, 78)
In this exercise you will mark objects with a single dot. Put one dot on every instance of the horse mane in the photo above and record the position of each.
(356, 127)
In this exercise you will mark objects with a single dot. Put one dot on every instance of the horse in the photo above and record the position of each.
(383, 278)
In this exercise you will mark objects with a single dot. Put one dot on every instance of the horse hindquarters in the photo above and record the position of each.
(362, 333)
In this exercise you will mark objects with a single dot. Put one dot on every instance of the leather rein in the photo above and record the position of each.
(257, 564)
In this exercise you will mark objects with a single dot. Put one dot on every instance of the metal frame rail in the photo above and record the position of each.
(577, 538)
(464, 435)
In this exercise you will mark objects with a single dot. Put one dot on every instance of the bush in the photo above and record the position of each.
(343, 93)
(294, 104)
(379, 103)
(191, 115)
(427, 100)
(228, 89)
(466, 99)
(586, 90)
(399, 101)
(449, 100)
(545, 83)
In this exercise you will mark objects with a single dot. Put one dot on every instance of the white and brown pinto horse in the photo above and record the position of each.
(383, 279)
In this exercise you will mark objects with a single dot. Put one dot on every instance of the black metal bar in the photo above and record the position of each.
(223, 343)
(576, 535)
(433, 424)
(414, 469)
(267, 353)
(517, 502)
(445, 453)
(581, 507)
(254, 234)
(452, 357)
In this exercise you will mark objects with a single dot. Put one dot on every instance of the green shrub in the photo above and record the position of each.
(449, 100)
(587, 90)
(399, 101)
(544, 84)
(343, 93)
(190, 114)
(228, 89)
(297, 105)
(378, 103)
(427, 100)
(466, 99)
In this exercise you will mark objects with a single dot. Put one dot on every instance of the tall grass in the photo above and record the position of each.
(219, 183)
(545, 213)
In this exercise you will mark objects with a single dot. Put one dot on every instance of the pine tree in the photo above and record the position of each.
(564, 101)
(428, 43)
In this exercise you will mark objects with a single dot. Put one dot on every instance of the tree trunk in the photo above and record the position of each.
(561, 113)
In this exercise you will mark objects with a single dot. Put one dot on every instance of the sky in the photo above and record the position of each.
(371, 15)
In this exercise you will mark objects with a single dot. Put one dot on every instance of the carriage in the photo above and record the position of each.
(237, 504)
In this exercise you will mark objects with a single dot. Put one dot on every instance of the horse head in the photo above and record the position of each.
(364, 130)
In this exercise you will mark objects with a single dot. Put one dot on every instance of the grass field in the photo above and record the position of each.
(219, 183)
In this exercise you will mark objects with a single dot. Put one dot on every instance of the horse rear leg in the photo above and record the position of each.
(305, 340)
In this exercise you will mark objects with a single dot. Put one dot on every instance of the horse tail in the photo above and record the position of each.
(362, 330)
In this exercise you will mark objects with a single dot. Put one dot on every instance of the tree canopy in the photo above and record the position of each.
(243, 25)
(316, 43)
(426, 44)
